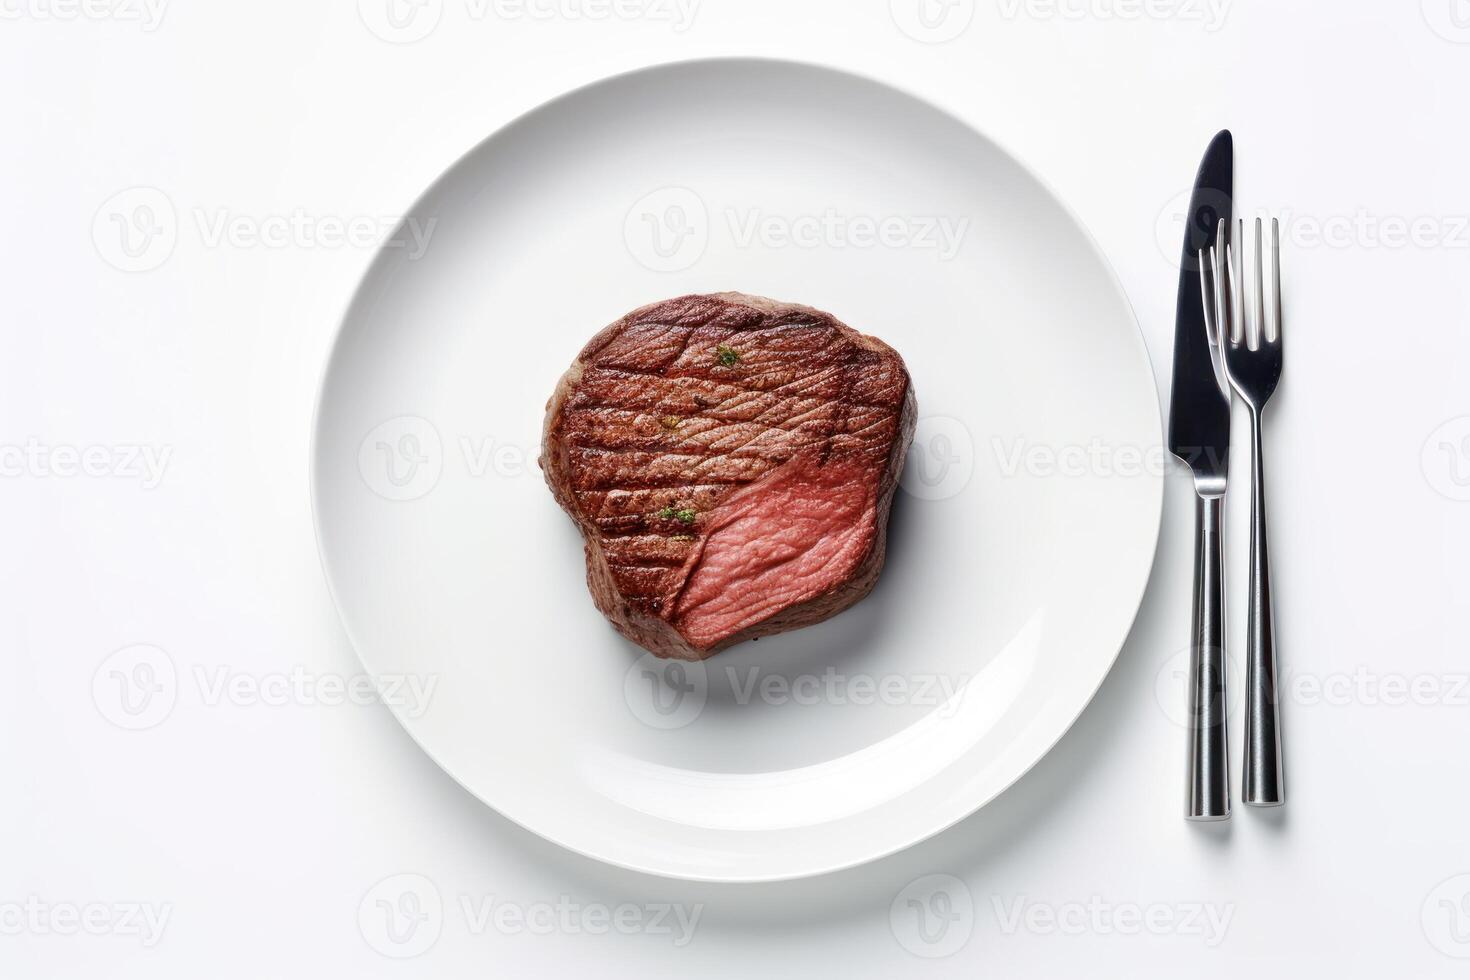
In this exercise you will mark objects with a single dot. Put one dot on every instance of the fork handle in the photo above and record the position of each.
(1209, 761)
(1263, 781)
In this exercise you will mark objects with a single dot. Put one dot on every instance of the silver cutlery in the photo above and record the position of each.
(1199, 434)
(1251, 348)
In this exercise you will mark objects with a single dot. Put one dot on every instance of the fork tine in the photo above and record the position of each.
(1207, 294)
(1238, 325)
(1233, 292)
(1220, 313)
(1276, 281)
(1220, 260)
(1257, 334)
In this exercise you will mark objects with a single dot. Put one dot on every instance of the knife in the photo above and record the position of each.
(1199, 434)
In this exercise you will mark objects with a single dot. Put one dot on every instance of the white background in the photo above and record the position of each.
(261, 831)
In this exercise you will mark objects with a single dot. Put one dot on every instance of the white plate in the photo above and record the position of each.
(1010, 582)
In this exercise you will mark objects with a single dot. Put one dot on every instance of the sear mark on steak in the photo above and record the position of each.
(730, 461)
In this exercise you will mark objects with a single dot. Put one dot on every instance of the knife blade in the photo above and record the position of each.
(1199, 413)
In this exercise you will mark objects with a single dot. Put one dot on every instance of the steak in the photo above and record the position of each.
(730, 461)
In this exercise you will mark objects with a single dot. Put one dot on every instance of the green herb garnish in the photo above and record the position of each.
(726, 355)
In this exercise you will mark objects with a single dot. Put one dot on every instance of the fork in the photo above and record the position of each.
(1250, 346)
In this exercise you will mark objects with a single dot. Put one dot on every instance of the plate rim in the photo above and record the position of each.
(1154, 481)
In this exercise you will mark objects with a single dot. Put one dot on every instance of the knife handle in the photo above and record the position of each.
(1209, 760)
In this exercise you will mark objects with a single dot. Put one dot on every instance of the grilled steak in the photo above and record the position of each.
(730, 461)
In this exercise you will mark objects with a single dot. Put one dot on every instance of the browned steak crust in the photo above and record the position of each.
(730, 461)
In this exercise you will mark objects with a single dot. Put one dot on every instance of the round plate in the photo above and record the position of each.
(1020, 543)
